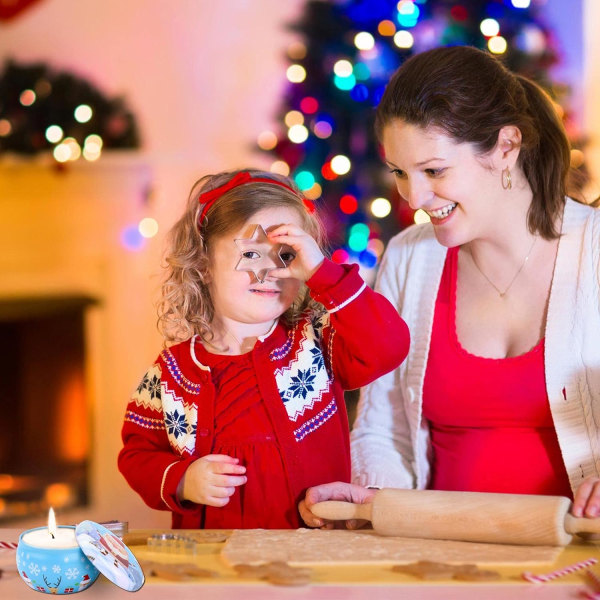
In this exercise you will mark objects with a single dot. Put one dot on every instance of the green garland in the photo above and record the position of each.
(34, 97)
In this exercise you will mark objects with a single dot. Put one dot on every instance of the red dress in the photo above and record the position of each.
(490, 422)
(243, 429)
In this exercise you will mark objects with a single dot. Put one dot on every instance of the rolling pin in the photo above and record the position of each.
(466, 516)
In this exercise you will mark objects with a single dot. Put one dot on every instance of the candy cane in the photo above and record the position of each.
(9, 545)
(595, 578)
(560, 572)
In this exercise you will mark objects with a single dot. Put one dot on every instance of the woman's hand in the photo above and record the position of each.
(211, 480)
(338, 490)
(302, 255)
(586, 502)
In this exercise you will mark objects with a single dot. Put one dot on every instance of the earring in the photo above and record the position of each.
(506, 179)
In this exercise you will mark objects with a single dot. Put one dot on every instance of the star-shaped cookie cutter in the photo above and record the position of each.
(267, 255)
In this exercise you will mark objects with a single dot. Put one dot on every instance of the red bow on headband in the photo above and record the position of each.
(208, 198)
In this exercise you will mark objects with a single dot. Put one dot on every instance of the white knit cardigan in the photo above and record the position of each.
(390, 439)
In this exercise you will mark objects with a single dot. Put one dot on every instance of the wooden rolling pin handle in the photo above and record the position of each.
(335, 510)
(575, 525)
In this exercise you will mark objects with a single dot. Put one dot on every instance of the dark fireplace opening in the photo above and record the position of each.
(45, 425)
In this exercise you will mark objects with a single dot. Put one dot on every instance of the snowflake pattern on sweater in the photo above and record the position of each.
(304, 381)
(181, 421)
(179, 418)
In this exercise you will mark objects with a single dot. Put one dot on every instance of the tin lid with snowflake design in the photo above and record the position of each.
(110, 555)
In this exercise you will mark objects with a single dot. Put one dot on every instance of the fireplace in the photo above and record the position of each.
(45, 426)
(77, 331)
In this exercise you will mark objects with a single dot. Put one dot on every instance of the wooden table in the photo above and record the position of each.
(329, 583)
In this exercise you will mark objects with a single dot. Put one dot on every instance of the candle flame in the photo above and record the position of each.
(51, 522)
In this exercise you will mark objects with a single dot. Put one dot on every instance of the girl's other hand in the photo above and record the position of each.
(306, 256)
(212, 480)
(586, 502)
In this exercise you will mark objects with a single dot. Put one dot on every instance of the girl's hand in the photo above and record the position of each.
(305, 256)
(586, 502)
(211, 480)
(337, 490)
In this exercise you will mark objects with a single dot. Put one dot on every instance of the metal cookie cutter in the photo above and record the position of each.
(171, 543)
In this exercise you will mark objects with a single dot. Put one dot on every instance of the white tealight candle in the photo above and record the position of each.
(41, 538)
(51, 537)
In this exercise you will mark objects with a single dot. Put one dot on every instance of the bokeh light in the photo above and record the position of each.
(296, 73)
(343, 68)
(497, 45)
(421, 217)
(344, 83)
(92, 147)
(361, 71)
(327, 172)
(54, 133)
(404, 39)
(322, 129)
(489, 27)
(340, 256)
(293, 117)
(266, 140)
(376, 246)
(367, 258)
(298, 134)
(408, 13)
(132, 239)
(296, 50)
(348, 204)
(386, 28)
(359, 237)
(83, 113)
(364, 40)
(304, 180)
(74, 148)
(67, 150)
(148, 227)
(27, 97)
(340, 164)
(381, 207)
(314, 192)
(280, 167)
(309, 105)
(61, 153)
(5, 127)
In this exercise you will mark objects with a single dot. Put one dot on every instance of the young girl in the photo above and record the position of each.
(245, 411)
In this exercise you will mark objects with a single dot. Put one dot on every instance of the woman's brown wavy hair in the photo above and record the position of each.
(186, 307)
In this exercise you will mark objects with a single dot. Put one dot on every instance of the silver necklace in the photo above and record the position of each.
(500, 292)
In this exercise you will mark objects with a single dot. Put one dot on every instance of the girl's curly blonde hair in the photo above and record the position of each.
(186, 308)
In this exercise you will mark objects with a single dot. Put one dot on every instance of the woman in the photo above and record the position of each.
(501, 388)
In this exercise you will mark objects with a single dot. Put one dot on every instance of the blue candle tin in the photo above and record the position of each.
(54, 570)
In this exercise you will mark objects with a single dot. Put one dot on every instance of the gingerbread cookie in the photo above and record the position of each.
(276, 572)
(427, 570)
(432, 571)
(175, 571)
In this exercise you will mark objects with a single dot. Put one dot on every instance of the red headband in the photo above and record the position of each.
(209, 198)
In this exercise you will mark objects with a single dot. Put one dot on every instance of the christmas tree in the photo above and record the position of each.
(337, 74)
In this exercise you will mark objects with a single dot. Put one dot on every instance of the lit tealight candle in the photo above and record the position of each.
(49, 559)
(52, 536)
